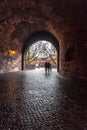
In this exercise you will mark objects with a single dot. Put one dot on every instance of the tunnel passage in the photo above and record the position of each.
(37, 36)
(65, 20)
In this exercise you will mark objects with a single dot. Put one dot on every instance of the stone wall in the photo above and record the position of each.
(10, 64)
(73, 58)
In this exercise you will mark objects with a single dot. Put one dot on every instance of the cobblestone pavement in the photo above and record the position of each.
(33, 100)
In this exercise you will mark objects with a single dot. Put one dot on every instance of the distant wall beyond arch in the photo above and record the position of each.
(37, 36)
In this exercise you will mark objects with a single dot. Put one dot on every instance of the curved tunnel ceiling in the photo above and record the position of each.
(67, 20)
(41, 35)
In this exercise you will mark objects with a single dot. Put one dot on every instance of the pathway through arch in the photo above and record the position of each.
(34, 100)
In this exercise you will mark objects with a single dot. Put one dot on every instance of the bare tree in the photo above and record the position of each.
(41, 49)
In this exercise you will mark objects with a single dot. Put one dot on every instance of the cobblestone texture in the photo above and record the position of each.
(33, 100)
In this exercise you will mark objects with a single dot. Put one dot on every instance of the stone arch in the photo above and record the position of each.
(40, 35)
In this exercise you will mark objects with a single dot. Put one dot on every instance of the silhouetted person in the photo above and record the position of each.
(47, 66)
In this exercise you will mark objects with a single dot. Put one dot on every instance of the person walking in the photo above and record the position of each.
(47, 66)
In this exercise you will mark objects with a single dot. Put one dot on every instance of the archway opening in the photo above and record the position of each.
(38, 53)
(39, 37)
